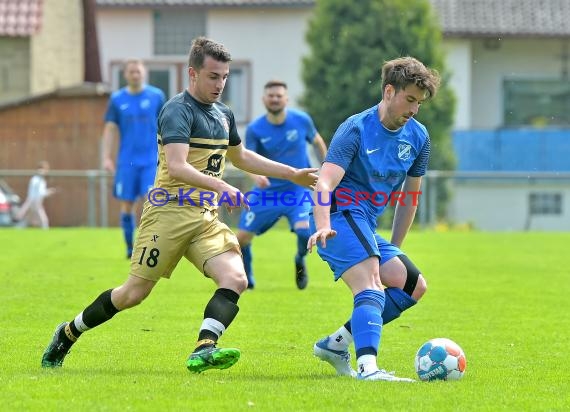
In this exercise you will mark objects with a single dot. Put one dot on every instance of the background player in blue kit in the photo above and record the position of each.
(132, 115)
(283, 135)
(374, 151)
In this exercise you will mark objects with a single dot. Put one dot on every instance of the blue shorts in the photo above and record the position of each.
(132, 182)
(262, 215)
(354, 242)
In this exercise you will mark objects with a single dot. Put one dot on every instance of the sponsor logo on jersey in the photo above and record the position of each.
(214, 165)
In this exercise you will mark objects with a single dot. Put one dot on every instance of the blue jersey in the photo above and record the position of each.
(285, 143)
(136, 117)
(376, 160)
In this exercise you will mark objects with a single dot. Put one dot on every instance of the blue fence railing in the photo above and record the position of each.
(532, 150)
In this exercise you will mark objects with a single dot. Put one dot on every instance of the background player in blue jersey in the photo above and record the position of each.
(373, 153)
(132, 114)
(283, 135)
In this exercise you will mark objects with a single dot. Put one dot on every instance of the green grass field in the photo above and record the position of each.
(502, 297)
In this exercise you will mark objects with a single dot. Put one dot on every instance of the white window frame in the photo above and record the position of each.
(171, 66)
(178, 81)
(243, 114)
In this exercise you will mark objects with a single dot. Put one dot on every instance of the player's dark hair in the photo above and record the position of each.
(404, 71)
(202, 47)
(275, 83)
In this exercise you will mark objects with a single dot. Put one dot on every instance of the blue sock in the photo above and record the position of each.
(128, 225)
(366, 322)
(302, 239)
(247, 258)
(397, 301)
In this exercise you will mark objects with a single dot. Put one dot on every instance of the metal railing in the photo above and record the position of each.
(427, 208)
(96, 189)
(98, 181)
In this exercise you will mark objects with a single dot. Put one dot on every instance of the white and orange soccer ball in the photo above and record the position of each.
(440, 359)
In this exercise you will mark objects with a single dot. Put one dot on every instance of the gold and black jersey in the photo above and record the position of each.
(208, 129)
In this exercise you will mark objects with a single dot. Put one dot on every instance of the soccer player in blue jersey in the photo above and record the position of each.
(373, 154)
(282, 134)
(132, 115)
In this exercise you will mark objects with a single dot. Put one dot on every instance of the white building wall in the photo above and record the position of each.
(512, 58)
(494, 206)
(123, 34)
(458, 61)
(272, 40)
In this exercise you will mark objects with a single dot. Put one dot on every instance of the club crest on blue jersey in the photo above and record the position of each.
(292, 135)
(404, 151)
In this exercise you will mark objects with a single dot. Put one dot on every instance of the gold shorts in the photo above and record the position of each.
(166, 233)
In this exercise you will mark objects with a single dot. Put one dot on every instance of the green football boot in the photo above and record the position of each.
(211, 357)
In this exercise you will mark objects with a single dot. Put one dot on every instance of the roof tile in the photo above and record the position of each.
(209, 3)
(20, 18)
(468, 18)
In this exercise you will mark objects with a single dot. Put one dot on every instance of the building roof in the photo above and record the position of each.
(206, 3)
(20, 18)
(78, 90)
(459, 18)
(509, 18)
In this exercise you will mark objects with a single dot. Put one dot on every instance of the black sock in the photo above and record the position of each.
(74, 331)
(98, 312)
(222, 308)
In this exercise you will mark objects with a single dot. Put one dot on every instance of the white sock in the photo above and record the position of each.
(366, 364)
(340, 340)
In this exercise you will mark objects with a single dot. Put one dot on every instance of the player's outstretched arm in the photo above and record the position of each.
(252, 162)
(329, 178)
(405, 210)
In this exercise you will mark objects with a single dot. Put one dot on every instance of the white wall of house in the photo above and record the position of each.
(459, 62)
(272, 40)
(123, 33)
(504, 206)
(523, 58)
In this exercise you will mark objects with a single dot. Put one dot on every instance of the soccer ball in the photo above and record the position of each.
(440, 359)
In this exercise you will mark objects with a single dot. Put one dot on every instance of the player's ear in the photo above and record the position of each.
(389, 91)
